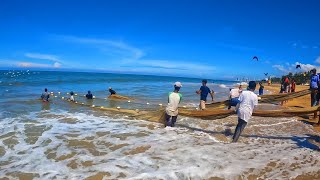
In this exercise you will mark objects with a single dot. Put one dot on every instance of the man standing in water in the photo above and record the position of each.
(89, 95)
(72, 97)
(204, 91)
(173, 102)
(45, 96)
(248, 100)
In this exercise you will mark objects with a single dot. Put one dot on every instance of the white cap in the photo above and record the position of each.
(110, 87)
(178, 84)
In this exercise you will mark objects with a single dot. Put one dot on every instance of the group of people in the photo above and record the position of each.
(245, 101)
(46, 95)
(174, 98)
(235, 94)
(287, 85)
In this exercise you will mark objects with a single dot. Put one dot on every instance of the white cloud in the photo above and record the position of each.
(166, 64)
(27, 64)
(32, 65)
(292, 68)
(48, 57)
(42, 56)
(280, 68)
(57, 65)
(130, 59)
(305, 67)
(165, 67)
(318, 60)
(118, 47)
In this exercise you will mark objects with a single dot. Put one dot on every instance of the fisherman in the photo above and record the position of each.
(286, 84)
(261, 89)
(45, 96)
(234, 96)
(172, 109)
(89, 95)
(204, 91)
(71, 96)
(314, 84)
(248, 100)
(112, 92)
(293, 86)
(282, 90)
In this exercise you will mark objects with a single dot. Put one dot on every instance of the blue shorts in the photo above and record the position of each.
(234, 101)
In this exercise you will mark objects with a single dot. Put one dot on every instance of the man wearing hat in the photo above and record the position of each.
(172, 107)
(247, 101)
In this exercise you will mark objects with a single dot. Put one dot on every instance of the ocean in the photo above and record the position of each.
(60, 140)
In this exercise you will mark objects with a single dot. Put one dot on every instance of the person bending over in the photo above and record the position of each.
(234, 96)
(112, 92)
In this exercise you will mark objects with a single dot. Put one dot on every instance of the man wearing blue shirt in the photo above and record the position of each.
(314, 84)
(204, 91)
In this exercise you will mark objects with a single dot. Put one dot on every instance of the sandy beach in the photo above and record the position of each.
(302, 102)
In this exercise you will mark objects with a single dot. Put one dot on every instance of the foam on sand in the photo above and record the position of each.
(66, 145)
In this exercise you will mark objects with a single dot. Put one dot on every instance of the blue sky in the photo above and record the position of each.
(199, 38)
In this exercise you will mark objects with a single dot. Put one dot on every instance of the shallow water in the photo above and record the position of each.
(64, 141)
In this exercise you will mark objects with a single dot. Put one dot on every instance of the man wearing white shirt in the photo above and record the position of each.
(174, 99)
(247, 101)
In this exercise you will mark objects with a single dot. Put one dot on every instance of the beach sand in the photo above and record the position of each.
(303, 101)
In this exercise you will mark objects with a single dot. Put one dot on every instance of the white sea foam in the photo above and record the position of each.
(223, 86)
(242, 83)
(195, 149)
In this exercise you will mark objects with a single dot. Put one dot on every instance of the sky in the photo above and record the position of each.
(189, 38)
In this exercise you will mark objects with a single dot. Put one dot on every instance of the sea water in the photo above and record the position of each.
(60, 140)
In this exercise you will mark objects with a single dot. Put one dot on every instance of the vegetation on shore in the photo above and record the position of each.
(300, 78)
